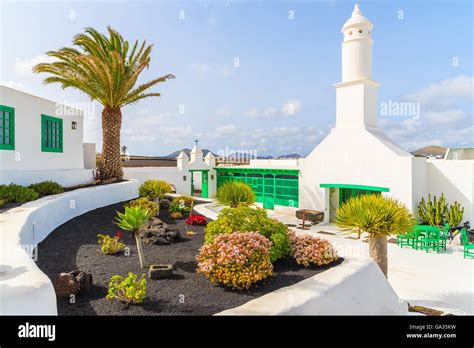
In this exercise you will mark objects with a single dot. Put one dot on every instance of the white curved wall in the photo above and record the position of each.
(24, 289)
(355, 287)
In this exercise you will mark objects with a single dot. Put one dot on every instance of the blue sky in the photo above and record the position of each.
(248, 77)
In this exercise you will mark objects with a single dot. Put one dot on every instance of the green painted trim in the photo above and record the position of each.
(256, 170)
(44, 148)
(12, 128)
(358, 187)
(198, 170)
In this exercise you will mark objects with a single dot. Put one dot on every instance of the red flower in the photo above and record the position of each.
(196, 220)
(118, 235)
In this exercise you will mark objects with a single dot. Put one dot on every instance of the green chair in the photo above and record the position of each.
(468, 247)
(433, 240)
(407, 239)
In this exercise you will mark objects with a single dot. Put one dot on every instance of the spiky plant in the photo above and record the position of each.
(235, 193)
(132, 220)
(380, 217)
(106, 68)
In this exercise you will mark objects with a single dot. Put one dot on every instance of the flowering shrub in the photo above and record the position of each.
(236, 260)
(129, 289)
(308, 250)
(246, 219)
(110, 245)
(196, 220)
(145, 204)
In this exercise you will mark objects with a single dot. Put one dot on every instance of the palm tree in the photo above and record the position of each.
(106, 69)
(380, 217)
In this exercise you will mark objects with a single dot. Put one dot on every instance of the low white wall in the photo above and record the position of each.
(24, 289)
(71, 177)
(355, 287)
(170, 174)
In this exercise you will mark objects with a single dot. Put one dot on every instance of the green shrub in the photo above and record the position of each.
(154, 189)
(246, 219)
(234, 193)
(187, 200)
(129, 289)
(110, 245)
(236, 260)
(145, 204)
(177, 208)
(2, 202)
(48, 187)
(17, 194)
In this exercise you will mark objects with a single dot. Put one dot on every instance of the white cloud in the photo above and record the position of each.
(289, 108)
(444, 93)
(15, 85)
(442, 120)
(226, 130)
(201, 68)
(24, 66)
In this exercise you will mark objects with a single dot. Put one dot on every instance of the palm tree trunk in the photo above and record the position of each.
(111, 163)
(141, 255)
(378, 252)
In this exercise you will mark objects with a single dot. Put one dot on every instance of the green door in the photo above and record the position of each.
(204, 183)
(269, 191)
(192, 183)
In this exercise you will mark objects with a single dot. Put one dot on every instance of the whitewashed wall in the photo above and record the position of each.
(359, 157)
(24, 289)
(341, 290)
(176, 175)
(456, 180)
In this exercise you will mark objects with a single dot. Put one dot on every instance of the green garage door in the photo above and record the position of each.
(271, 186)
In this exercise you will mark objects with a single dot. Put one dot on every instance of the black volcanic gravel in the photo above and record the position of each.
(74, 245)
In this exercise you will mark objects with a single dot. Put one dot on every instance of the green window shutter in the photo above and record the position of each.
(7, 128)
(51, 134)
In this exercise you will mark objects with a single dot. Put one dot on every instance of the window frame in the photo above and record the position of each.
(45, 148)
(11, 110)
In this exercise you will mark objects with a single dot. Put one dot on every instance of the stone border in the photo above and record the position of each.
(24, 289)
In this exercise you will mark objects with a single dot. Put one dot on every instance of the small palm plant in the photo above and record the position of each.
(235, 193)
(132, 220)
(380, 217)
(106, 68)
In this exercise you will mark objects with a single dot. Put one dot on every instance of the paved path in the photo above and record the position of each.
(442, 281)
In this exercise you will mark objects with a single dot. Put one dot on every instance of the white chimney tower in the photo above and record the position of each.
(356, 95)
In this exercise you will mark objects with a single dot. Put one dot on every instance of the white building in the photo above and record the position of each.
(356, 157)
(192, 175)
(42, 140)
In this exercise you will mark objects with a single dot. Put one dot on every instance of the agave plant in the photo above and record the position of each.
(132, 220)
(235, 193)
(106, 68)
(380, 217)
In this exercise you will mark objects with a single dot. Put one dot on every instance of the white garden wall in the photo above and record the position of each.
(456, 180)
(24, 289)
(355, 287)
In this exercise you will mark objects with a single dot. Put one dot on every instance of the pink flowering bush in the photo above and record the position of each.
(236, 260)
(308, 250)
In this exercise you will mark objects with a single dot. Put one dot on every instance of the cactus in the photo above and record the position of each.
(455, 213)
(434, 212)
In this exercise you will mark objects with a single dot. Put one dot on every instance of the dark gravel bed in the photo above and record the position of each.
(73, 245)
